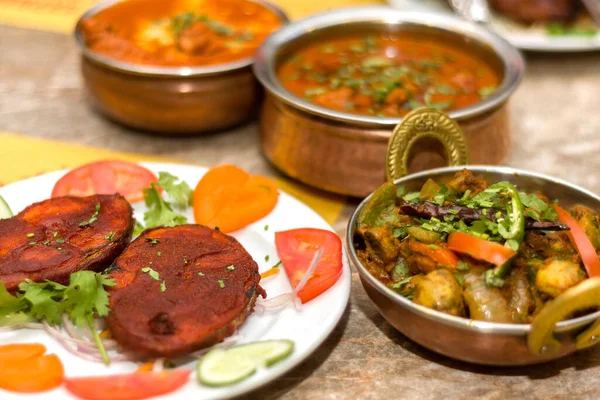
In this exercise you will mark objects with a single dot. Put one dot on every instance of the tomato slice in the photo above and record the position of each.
(442, 256)
(580, 241)
(229, 198)
(296, 249)
(106, 177)
(134, 386)
(480, 249)
(30, 375)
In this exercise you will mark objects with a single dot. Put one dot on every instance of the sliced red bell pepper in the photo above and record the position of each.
(480, 249)
(580, 241)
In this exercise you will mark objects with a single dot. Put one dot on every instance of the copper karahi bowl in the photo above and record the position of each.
(551, 334)
(342, 152)
(170, 100)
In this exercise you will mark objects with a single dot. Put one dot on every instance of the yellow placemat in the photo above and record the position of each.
(22, 157)
(61, 15)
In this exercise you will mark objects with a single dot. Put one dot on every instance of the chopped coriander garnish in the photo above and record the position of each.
(185, 260)
(151, 273)
(277, 265)
(163, 286)
(46, 243)
(55, 234)
(110, 236)
(231, 267)
(160, 211)
(200, 273)
(93, 218)
(266, 227)
(159, 253)
(267, 258)
(462, 266)
(221, 283)
(59, 240)
(59, 248)
(80, 301)
(152, 240)
(30, 235)
(32, 243)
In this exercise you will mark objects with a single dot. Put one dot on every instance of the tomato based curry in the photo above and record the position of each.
(180, 32)
(387, 74)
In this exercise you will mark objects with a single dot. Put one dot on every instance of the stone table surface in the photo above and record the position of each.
(556, 119)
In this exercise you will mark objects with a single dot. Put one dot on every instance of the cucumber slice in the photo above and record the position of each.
(223, 367)
(5, 211)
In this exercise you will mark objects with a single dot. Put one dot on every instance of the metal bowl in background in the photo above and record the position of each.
(170, 100)
(550, 336)
(342, 152)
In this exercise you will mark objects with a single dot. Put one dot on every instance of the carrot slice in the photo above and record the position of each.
(215, 188)
(229, 198)
(31, 375)
(269, 272)
(12, 352)
(146, 367)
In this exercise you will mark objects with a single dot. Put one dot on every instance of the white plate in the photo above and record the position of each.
(308, 327)
(526, 38)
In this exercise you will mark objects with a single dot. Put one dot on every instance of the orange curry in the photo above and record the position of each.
(387, 75)
(180, 32)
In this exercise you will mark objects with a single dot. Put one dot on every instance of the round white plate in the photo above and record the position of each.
(523, 37)
(308, 327)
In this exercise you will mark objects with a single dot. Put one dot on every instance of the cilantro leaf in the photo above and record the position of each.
(537, 208)
(43, 300)
(159, 211)
(85, 296)
(8, 303)
(180, 192)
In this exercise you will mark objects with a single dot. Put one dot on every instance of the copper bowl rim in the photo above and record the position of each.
(172, 72)
(266, 56)
(450, 320)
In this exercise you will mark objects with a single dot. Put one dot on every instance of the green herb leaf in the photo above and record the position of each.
(159, 211)
(151, 273)
(92, 219)
(177, 189)
(462, 266)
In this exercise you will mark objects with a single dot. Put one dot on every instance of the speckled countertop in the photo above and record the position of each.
(556, 118)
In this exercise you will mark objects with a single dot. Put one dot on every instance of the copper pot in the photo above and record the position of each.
(342, 152)
(170, 100)
(550, 336)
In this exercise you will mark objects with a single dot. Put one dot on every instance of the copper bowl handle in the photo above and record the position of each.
(418, 124)
(581, 297)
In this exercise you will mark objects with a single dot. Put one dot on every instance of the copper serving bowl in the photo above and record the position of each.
(550, 336)
(343, 152)
(170, 100)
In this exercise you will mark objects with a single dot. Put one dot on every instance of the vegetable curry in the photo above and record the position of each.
(387, 74)
(474, 249)
(180, 32)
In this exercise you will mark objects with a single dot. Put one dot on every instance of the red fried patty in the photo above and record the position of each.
(56, 237)
(179, 290)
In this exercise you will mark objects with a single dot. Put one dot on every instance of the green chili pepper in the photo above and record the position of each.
(514, 236)
(380, 208)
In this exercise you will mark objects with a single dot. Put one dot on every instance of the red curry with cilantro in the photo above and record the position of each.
(180, 32)
(387, 75)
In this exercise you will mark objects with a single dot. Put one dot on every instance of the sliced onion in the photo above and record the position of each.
(307, 275)
(27, 325)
